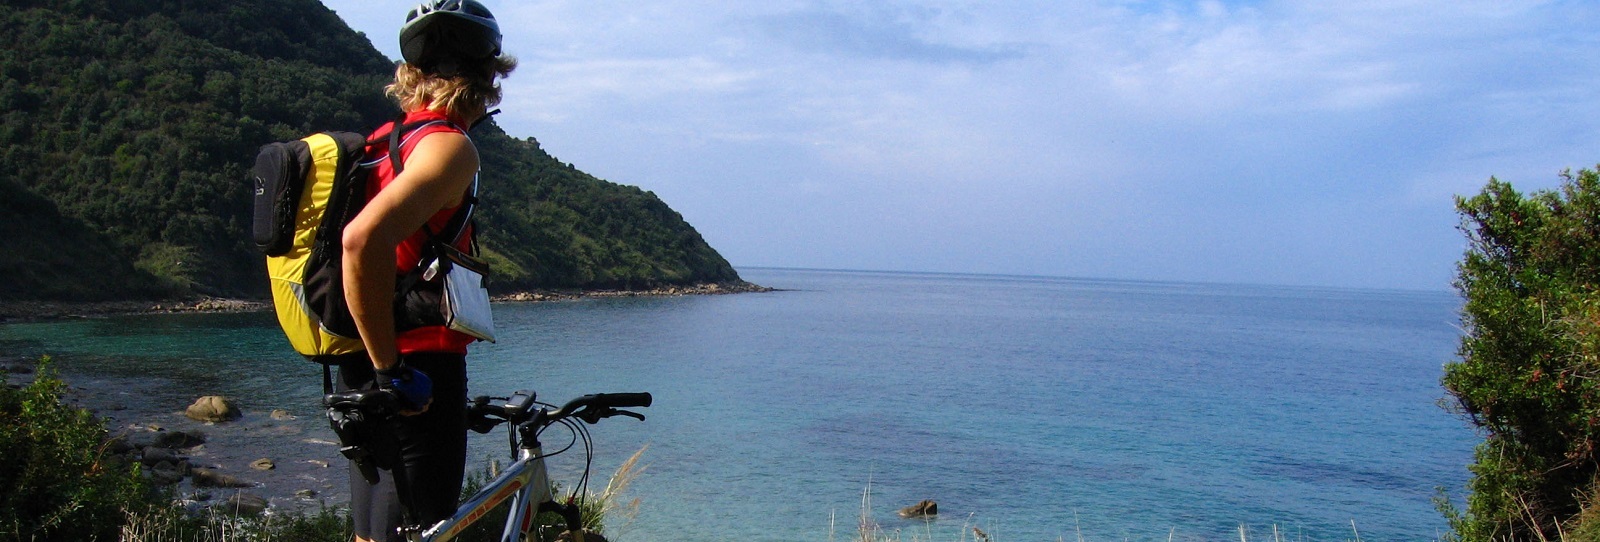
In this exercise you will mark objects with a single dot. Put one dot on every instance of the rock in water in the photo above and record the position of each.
(922, 509)
(213, 409)
(119, 444)
(164, 474)
(153, 455)
(212, 478)
(245, 504)
(179, 439)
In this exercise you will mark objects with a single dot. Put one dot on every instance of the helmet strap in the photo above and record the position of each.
(483, 118)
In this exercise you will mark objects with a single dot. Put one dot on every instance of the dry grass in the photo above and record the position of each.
(173, 524)
(609, 507)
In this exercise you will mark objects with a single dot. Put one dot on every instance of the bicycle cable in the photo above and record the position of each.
(579, 431)
(588, 464)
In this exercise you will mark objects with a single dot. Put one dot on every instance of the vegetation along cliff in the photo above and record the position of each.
(129, 127)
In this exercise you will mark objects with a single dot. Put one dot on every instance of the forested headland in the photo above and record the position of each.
(130, 126)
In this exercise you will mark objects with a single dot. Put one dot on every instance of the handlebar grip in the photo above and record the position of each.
(622, 400)
(378, 400)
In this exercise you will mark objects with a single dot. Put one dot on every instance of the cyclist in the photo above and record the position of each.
(452, 58)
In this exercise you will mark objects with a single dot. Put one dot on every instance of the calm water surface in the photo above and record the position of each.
(1033, 408)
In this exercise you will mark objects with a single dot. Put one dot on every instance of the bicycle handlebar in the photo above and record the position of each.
(520, 407)
(602, 400)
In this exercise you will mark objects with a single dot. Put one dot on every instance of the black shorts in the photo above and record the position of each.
(433, 451)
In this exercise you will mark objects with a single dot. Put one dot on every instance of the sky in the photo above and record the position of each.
(1285, 143)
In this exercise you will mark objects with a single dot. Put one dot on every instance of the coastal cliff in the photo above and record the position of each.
(129, 127)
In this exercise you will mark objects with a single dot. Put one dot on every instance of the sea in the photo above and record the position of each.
(1028, 408)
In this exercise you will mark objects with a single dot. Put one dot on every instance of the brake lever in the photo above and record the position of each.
(482, 423)
(593, 416)
(479, 420)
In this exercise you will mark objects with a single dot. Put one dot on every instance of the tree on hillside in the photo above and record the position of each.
(133, 123)
(1529, 369)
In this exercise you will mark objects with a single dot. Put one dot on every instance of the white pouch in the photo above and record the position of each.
(465, 302)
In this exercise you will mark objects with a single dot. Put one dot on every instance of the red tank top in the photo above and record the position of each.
(409, 252)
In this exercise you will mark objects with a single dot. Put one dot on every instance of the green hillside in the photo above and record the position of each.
(129, 126)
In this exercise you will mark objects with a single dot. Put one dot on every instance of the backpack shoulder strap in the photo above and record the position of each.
(399, 133)
(394, 144)
(458, 221)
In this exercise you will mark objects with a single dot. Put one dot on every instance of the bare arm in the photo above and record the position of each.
(437, 173)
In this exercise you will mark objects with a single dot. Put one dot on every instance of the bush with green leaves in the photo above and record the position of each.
(1529, 369)
(60, 482)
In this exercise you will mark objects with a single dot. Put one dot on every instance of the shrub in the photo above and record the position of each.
(61, 483)
(1530, 358)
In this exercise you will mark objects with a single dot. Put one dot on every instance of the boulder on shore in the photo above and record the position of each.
(212, 409)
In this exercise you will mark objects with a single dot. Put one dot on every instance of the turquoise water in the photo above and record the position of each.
(1033, 408)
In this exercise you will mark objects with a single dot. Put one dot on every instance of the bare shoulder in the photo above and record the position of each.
(448, 143)
(452, 151)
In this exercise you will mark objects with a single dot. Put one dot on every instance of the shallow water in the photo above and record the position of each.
(1033, 408)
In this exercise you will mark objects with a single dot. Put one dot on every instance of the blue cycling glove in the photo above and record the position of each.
(412, 386)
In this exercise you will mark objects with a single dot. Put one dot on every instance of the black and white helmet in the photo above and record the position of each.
(447, 31)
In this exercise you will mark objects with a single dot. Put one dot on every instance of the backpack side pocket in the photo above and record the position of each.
(279, 176)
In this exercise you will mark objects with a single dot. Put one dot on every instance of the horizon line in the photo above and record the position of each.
(975, 274)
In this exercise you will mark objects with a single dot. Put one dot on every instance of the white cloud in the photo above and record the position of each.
(979, 122)
(555, 89)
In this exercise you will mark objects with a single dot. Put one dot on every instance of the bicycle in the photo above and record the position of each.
(525, 484)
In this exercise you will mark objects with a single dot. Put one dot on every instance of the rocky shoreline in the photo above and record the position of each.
(25, 310)
(210, 463)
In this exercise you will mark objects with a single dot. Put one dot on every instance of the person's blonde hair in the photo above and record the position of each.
(467, 94)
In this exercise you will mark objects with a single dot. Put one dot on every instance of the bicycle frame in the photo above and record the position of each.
(526, 483)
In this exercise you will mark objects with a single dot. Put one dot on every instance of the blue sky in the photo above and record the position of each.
(1299, 143)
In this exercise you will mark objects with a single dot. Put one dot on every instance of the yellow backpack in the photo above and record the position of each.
(306, 191)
